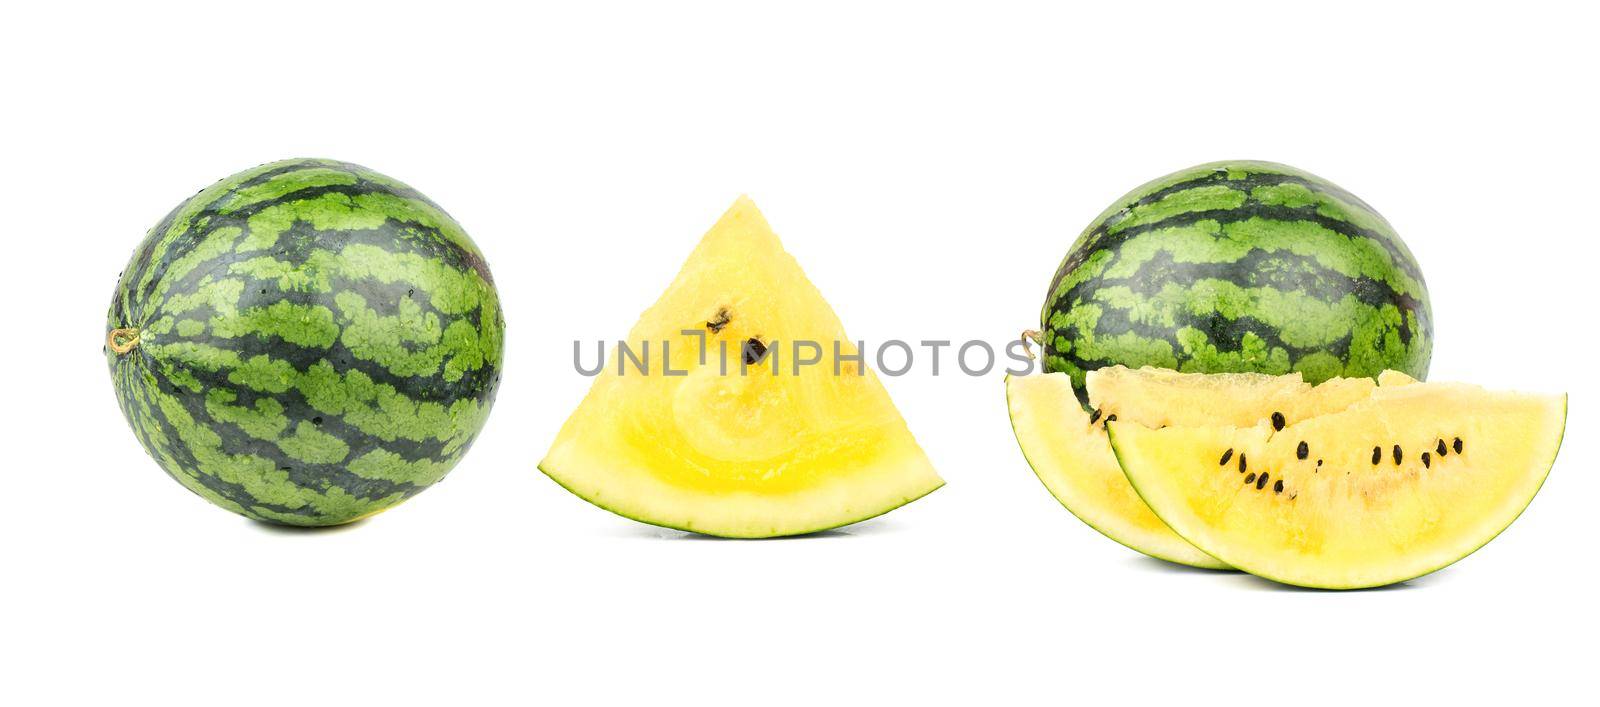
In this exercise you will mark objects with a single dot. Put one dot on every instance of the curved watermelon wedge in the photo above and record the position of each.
(1404, 483)
(1072, 457)
(1067, 446)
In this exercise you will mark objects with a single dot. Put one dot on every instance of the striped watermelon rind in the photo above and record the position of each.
(306, 343)
(1239, 267)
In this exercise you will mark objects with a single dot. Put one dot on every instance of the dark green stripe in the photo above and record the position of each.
(1258, 268)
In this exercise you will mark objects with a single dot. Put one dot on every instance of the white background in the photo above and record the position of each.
(928, 166)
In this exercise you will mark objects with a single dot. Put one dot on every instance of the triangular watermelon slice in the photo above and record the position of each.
(723, 444)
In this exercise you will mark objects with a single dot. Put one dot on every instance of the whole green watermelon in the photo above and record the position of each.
(1239, 266)
(308, 342)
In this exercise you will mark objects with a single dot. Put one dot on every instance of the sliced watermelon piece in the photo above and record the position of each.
(723, 439)
(1067, 447)
(1401, 484)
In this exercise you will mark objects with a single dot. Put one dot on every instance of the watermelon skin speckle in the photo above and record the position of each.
(1239, 267)
(307, 342)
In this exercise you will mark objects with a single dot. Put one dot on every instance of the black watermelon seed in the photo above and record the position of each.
(1441, 448)
(1226, 456)
(1277, 421)
(1277, 487)
(754, 349)
(1251, 478)
(1377, 454)
(1095, 417)
(1457, 446)
(1302, 451)
(715, 324)
(1241, 462)
(1427, 460)
(1397, 454)
(1319, 462)
(1261, 481)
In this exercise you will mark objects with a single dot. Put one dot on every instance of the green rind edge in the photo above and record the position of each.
(670, 526)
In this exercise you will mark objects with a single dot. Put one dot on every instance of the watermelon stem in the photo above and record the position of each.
(1030, 335)
(123, 340)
